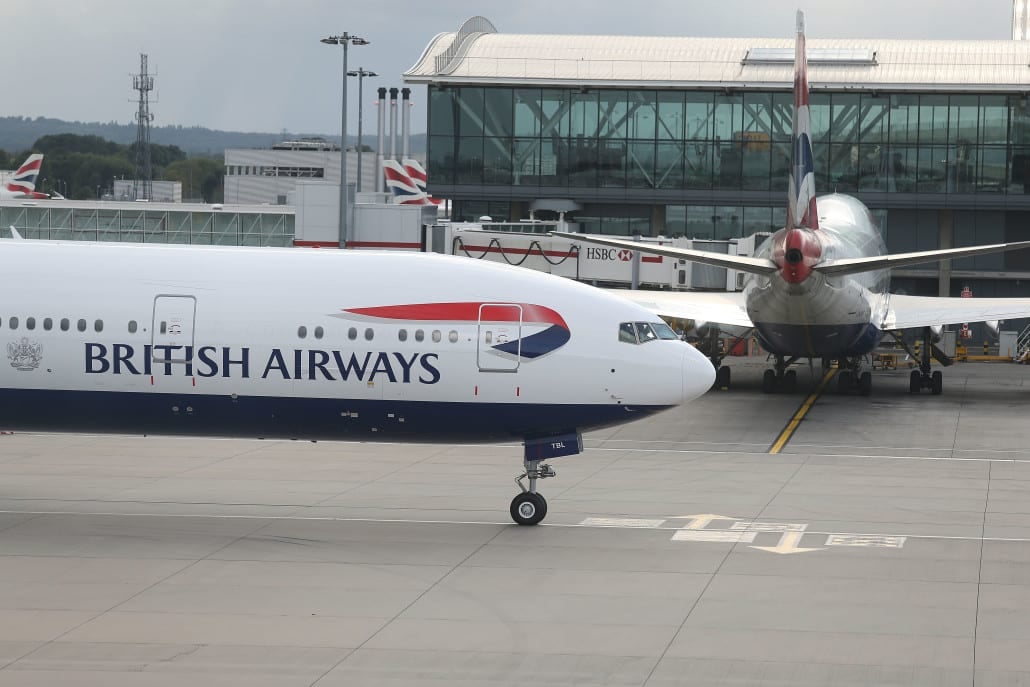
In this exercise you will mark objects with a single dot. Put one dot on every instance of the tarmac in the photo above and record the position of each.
(887, 543)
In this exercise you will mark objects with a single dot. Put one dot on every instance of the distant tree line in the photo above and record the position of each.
(86, 166)
(18, 133)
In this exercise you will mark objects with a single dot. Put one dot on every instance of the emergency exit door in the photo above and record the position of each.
(500, 337)
(172, 330)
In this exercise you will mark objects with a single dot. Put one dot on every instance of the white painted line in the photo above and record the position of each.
(720, 536)
(751, 526)
(881, 541)
(622, 522)
(502, 523)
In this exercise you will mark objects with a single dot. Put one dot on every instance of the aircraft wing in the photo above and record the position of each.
(882, 262)
(927, 311)
(733, 262)
(721, 307)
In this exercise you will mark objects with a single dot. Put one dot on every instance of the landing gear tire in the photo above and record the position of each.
(936, 383)
(769, 381)
(722, 378)
(915, 382)
(865, 383)
(790, 381)
(528, 508)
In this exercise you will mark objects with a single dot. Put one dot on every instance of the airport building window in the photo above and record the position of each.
(402, 335)
(81, 325)
(420, 335)
(352, 333)
(30, 323)
(654, 139)
(319, 332)
(302, 331)
(13, 323)
(369, 334)
(132, 326)
(65, 324)
(48, 324)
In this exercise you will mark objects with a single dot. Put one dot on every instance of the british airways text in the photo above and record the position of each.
(225, 361)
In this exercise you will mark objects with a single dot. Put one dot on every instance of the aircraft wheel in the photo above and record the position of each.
(915, 382)
(790, 381)
(722, 378)
(865, 383)
(528, 508)
(843, 382)
(936, 383)
(769, 381)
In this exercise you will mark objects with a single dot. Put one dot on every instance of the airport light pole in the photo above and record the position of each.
(361, 73)
(344, 39)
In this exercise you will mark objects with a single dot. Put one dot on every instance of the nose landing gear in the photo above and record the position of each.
(530, 507)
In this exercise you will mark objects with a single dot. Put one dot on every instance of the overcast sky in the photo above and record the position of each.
(257, 65)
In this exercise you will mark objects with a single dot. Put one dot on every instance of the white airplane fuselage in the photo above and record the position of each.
(823, 316)
(296, 343)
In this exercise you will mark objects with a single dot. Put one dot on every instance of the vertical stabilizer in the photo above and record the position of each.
(24, 180)
(801, 210)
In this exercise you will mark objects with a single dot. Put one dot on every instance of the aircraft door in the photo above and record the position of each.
(174, 319)
(499, 337)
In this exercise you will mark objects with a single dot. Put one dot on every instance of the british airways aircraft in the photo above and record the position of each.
(818, 288)
(23, 183)
(291, 343)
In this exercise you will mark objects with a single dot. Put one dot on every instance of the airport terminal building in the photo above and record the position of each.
(691, 136)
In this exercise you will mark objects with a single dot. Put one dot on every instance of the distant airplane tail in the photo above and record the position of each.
(24, 180)
(801, 209)
(407, 181)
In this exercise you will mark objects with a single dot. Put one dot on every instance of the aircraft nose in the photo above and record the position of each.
(698, 374)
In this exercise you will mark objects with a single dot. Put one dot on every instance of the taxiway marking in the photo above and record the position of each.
(792, 426)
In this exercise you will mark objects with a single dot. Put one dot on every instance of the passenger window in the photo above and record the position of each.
(65, 324)
(30, 323)
(302, 331)
(48, 324)
(13, 322)
(488, 337)
(319, 332)
(452, 336)
(420, 335)
(352, 333)
(81, 325)
(437, 336)
(132, 326)
(369, 334)
(627, 333)
(98, 326)
(163, 328)
(402, 335)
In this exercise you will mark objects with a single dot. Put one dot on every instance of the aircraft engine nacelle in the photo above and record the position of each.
(993, 326)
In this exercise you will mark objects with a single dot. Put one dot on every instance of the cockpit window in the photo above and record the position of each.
(645, 333)
(642, 332)
(664, 331)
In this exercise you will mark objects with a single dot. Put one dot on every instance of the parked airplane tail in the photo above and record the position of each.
(404, 189)
(24, 180)
(801, 208)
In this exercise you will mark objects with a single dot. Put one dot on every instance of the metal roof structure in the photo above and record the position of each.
(478, 54)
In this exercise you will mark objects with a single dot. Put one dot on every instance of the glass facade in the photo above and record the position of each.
(713, 140)
(138, 225)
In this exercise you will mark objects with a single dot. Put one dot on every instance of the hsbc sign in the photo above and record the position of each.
(594, 253)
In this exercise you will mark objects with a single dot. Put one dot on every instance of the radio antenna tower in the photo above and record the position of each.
(142, 188)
